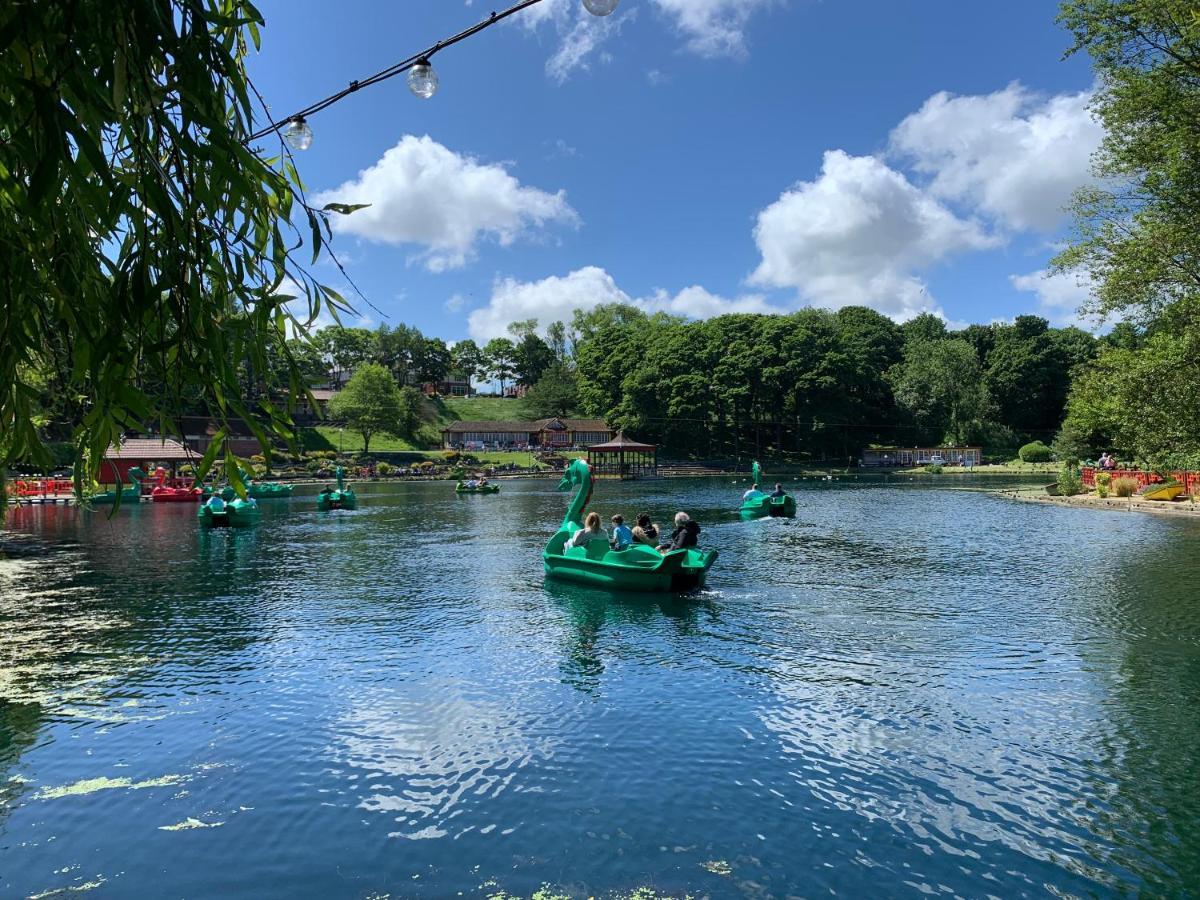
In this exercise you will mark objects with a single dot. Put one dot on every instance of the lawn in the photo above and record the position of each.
(327, 437)
(495, 409)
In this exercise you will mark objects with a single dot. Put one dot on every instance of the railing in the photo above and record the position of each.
(42, 487)
(1189, 480)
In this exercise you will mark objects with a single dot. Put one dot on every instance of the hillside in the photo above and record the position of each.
(443, 411)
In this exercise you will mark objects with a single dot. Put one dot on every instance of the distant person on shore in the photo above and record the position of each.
(686, 534)
(645, 531)
(779, 491)
(1107, 462)
(622, 537)
(753, 494)
(591, 531)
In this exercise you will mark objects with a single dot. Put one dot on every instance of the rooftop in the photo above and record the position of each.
(158, 449)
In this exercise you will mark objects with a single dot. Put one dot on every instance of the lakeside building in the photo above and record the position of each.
(878, 457)
(145, 454)
(544, 433)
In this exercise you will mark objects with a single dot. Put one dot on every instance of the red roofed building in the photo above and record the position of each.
(145, 453)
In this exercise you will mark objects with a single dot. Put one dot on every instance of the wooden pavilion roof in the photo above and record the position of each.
(620, 442)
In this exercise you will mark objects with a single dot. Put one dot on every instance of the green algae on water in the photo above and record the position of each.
(92, 785)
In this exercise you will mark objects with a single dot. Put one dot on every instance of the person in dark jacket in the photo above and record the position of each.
(686, 534)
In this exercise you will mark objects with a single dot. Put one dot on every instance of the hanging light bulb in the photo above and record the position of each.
(297, 133)
(422, 80)
(600, 7)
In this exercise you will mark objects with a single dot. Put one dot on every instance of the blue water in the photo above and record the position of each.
(909, 689)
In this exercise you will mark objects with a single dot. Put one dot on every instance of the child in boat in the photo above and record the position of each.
(779, 491)
(590, 532)
(686, 534)
(645, 532)
(622, 537)
(753, 494)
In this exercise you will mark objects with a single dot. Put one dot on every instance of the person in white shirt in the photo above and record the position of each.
(753, 494)
(590, 532)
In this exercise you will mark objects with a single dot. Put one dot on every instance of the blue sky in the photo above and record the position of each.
(698, 156)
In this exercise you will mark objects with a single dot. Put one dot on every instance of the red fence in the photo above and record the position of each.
(1189, 480)
(42, 487)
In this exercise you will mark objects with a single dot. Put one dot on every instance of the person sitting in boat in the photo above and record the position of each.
(686, 534)
(753, 494)
(622, 536)
(645, 531)
(326, 490)
(482, 480)
(472, 483)
(779, 491)
(590, 532)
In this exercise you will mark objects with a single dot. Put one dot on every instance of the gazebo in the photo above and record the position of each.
(143, 453)
(623, 458)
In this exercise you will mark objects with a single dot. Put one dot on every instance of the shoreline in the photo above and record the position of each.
(1186, 508)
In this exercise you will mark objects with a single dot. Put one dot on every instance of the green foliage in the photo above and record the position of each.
(1070, 482)
(146, 246)
(1136, 229)
(1035, 452)
(500, 359)
(372, 403)
(934, 469)
(555, 394)
(1124, 487)
(940, 382)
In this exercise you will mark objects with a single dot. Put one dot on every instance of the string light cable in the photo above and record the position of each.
(422, 79)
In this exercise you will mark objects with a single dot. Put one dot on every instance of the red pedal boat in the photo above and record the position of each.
(165, 493)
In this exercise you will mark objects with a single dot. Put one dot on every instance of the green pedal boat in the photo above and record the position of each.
(217, 512)
(342, 498)
(766, 505)
(127, 494)
(462, 488)
(636, 568)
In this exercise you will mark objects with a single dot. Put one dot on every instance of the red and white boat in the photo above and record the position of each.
(181, 491)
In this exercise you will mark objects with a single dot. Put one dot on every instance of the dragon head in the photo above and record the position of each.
(573, 475)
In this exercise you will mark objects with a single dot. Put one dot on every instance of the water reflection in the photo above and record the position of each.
(902, 690)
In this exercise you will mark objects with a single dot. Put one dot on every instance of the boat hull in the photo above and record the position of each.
(175, 495)
(641, 569)
(486, 489)
(774, 507)
(337, 500)
(1163, 492)
(236, 514)
(269, 491)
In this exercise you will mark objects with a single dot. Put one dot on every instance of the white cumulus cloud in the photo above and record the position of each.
(857, 234)
(1013, 154)
(424, 194)
(557, 297)
(1060, 295)
(713, 27)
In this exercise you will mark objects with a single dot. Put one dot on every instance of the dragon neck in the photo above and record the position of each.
(583, 494)
(340, 482)
(757, 473)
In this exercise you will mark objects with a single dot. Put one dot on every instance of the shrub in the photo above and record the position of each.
(1103, 483)
(933, 469)
(1035, 452)
(384, 468)
(1069, 482)
(1125, 487)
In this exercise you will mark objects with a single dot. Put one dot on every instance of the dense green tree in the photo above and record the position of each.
(1137, 235)
(433, 360)
(346, 349)
(371, 403)
(531, 358)
(941, 383)
(398, 350)
(1142, 403)
(467, 359)
(556, 337)
(500, 357)
(556, 393)
(140, 225)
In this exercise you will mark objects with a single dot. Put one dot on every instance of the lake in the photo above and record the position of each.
(911, 688)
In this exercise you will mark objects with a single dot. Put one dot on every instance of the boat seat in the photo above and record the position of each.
(597, 549)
